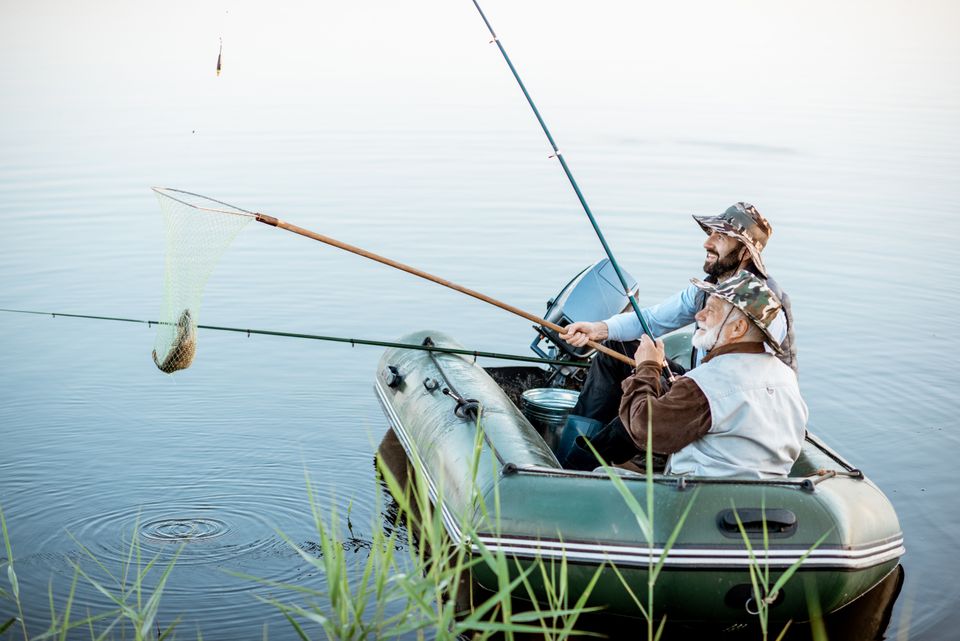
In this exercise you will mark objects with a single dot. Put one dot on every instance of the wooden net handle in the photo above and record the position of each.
(276, 222)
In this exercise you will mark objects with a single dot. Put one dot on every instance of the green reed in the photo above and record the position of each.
(14, 582)
(423, 588)
(818, 631)
(556, 618)
(765, 593)
(645, 517)
(133, 606)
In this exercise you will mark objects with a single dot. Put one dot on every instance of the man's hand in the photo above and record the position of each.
(577, 334)
(650, 351)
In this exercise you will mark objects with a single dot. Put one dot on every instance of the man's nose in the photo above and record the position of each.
(700, 315)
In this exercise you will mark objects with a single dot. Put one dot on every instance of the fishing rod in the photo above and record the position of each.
(566, 170)
(332, 339)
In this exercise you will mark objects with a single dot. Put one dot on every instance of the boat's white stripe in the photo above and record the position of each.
(634, 555)
(570, 546)
(698, 562)
(682, 556)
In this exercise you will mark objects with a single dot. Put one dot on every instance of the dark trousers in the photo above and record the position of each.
(600, 400)
(601, 393)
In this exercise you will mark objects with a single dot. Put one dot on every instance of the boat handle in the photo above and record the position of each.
(780, 522)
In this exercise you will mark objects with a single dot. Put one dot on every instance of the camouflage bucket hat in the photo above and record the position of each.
(743, 222)
(750, 295)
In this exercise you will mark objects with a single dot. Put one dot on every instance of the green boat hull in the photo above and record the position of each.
(581, 520)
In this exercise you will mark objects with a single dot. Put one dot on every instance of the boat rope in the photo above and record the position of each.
(573, 183)
(808, 483)
(334, 339)
(848, 470)
(466, 408)
(680, 483)
(822, 475)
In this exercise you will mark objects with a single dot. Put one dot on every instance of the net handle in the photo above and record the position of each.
(276, 222)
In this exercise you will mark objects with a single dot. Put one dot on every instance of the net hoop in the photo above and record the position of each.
(183, 197)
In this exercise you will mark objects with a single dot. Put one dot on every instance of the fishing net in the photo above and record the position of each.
(198, 231)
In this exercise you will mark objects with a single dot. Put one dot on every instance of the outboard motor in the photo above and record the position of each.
(593, 294)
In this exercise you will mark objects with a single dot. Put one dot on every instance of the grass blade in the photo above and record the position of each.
(14, 583)
(782, 580)
(783, 633)
(296, 626)
(674, 535)
(638, 512)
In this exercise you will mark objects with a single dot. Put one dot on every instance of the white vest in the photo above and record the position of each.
(758, 419)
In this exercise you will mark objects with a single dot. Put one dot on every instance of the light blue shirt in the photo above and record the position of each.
(675, 312)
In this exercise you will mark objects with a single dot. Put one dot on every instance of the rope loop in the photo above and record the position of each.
(466, 408)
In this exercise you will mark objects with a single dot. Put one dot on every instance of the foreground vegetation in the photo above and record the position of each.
(419, 588)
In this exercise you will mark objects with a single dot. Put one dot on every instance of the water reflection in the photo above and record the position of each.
(866, 619)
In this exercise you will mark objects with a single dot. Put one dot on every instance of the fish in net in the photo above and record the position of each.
(183, 348)
(198, 231)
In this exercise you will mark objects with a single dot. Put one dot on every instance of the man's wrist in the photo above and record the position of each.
(603, 331)
(647, 365)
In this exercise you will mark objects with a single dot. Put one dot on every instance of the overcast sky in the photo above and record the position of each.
(358, 57)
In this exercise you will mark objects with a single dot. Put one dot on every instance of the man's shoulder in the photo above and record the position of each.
(735, 359)
(771, 283)
(688, 295)
(775, 286)
(727, 373)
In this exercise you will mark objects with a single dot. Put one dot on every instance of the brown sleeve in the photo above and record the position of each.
(680, 416)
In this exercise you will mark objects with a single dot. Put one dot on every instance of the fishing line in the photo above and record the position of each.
(566, 170)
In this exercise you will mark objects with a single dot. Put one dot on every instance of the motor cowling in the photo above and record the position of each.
(593, 294)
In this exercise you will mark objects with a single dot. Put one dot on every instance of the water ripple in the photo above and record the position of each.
(207, 533)
(183, 530)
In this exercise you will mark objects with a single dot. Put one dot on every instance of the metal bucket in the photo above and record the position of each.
(547, 409)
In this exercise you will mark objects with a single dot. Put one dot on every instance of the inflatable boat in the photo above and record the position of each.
(466, 437)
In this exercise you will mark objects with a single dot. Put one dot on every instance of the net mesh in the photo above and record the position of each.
(198, 231)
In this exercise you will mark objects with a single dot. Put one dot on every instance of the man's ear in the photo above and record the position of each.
(739, 328)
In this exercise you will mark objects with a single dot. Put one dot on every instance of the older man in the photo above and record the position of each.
(738, 414)
(735, 240)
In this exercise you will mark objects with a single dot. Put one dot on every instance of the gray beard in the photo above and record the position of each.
(705, 339)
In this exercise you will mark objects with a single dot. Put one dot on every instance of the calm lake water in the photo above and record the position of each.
(400, 130)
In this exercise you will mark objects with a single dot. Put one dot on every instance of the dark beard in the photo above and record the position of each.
(723, 266)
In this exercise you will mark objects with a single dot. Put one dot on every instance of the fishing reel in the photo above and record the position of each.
(593, 294)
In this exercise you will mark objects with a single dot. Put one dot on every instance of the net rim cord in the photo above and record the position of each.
(164, 191)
